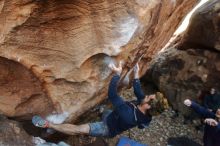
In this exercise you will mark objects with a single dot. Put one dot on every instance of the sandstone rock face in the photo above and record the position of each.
(54, 53)
(21, 90)
(193, 66)
(12, 134)
(204, 29)
(184, 74)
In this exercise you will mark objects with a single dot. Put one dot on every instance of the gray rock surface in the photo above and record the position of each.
(12, 134)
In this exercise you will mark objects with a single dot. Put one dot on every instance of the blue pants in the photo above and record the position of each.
(100, 129)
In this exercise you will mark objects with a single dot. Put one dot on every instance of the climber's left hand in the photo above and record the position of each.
(115, 69)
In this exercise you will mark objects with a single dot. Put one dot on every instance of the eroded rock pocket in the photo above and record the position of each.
(21, 92)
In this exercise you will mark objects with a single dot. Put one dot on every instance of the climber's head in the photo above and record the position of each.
(154, 103)
(145, 103)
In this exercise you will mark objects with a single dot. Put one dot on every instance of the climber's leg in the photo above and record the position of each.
(71, 129)
(64, 128)
(93, 129)
(97, 129)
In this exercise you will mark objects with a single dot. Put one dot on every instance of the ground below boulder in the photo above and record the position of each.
(12, 134)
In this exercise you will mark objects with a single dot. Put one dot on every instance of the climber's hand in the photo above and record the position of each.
(152, 97)
(136, 71)
(211, 122)
(136, 68)
(188, 102)
(115, 69)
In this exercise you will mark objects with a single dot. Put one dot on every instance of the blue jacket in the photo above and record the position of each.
(125, 115)
(211, 134)
(212, 102)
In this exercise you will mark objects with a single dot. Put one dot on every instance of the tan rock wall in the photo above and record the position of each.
(68, 44)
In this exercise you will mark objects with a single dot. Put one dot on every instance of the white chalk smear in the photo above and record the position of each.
(38, 140)
(105, 70)
(124, 31)
(57, 118)
(41, 142)
(109, 60)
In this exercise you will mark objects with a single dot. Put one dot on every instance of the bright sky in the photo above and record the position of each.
(185, 23)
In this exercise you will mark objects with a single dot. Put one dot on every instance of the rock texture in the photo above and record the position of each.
(193, 66)
(12, 134)
(21, 91)
(60, 48)
(207, 16)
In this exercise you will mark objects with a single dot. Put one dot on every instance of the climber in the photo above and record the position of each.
(212, 123)
(125, 115)
(212, 101)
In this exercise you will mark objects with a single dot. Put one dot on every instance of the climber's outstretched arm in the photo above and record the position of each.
(113, 85)
(137, 85)
(205, 113)
(113, 96)
(138, 90)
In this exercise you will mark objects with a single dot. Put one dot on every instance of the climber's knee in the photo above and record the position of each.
(99, 129)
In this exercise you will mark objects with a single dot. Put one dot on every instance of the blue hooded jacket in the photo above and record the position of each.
(212, 102)
(211, 133)
(125, 114)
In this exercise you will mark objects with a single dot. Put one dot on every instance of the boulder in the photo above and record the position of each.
(204, 29)
(182, 74)
(190, 68)
(12, 134)
(54, 54)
